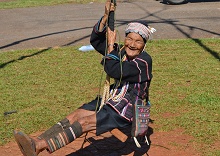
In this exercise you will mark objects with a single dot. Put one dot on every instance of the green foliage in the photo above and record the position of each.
(9, 4)
(45, 85)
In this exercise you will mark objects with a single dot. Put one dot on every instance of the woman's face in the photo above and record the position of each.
(134, 45)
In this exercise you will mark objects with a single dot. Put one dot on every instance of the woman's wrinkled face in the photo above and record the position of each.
(134, 45)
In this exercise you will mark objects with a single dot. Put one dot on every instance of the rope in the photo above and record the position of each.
(105, 95)
(106, 89)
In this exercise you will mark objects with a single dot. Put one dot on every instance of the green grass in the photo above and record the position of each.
(9, 4)
(186, 86)
(45, 85)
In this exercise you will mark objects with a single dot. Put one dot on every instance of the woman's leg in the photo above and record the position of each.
(81, 121)
(66, 122)
(78, 114)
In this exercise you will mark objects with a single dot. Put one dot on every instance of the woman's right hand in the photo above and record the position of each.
(108, 7)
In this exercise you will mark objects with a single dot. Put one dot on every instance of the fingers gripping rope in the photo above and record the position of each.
(111, 19)
(111, 25)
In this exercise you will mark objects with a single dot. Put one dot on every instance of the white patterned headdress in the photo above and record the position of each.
(144, 31)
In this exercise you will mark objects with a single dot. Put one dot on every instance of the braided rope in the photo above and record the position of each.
(106, 89)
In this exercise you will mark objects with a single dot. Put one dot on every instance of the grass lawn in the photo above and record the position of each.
(9, 4)
(43, 86)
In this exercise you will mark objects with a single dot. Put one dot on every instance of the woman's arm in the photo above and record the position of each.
(98, 36)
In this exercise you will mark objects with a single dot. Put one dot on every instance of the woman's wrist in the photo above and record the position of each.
(109, 45)
(110, 48)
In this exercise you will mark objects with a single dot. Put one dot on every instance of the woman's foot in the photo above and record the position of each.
(29, 146)
(25, 143)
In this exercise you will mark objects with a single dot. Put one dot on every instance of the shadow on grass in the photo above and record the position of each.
(111, 146)
(23, 57)
(44, 50)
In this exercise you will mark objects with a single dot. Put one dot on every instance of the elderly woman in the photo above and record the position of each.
(130, 66)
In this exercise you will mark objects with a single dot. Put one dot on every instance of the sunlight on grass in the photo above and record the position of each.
(34, 3)
(186, 85)
(45, 85)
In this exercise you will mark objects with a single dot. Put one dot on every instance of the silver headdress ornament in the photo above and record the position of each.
(143, 30)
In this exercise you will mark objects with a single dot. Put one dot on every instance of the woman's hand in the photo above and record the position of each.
(111, 37)
(108, 8)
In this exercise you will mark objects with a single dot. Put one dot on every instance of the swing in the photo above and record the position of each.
(116, 132)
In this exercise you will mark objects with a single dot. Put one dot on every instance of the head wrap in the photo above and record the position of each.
(142, 29)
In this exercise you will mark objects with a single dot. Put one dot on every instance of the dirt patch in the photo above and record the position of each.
(171, 143)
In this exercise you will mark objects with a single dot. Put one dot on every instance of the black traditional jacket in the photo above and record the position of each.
(132, 77)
